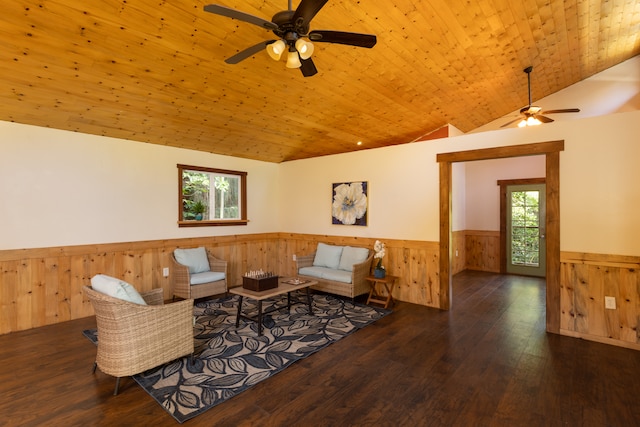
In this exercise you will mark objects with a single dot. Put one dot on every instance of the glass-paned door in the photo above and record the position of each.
(526, 245)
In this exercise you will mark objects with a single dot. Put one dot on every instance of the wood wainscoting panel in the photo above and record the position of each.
(482, 250)
(43, 286)
(586, 279)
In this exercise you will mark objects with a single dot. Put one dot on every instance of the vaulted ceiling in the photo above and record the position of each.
(154, 71)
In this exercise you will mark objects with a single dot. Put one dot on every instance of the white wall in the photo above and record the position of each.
(483, 193)
(599, 173)
(64, 188)
(403, 192)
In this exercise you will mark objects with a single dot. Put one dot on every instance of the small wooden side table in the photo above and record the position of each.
(377, 297)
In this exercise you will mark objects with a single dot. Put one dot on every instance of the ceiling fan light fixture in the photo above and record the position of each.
(304, 48)
(293, 60)
(532, 121)
(529, 121)
(275, 49)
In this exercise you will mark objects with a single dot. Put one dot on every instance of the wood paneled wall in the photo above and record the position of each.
(482, 250)
(585, 280)
(43, 286)
(476, 250)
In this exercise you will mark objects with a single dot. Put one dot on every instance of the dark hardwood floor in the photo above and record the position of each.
(486, 362)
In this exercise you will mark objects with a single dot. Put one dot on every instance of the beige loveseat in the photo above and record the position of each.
(340, 270)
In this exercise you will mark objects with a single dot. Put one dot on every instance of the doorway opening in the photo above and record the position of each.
(522, 226)
(525, 230)
(551, 150)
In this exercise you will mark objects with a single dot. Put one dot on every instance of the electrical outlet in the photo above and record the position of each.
(165, 272)
(456, 252)
(294, 257)
(610, 303)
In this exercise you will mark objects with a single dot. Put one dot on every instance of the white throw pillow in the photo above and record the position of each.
(351, 256)
(116, 288)
(327, 256)
(196, 259)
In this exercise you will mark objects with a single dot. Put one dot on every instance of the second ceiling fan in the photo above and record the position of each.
(532, 115)
(292, 27)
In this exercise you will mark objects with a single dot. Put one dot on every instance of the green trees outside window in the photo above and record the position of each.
(525, 224)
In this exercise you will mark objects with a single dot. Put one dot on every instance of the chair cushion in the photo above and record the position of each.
(196, 259)
(327, 256)
(116, 288)
(326, 273)
(351, 256)
(206, 277)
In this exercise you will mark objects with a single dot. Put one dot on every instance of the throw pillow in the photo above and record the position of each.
(116, 288)
(196, 259)
(351, 256)
(327, 256)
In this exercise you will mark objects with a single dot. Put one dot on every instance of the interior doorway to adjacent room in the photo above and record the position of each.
(551, 150)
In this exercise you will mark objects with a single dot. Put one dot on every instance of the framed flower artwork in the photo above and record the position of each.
(349, 203)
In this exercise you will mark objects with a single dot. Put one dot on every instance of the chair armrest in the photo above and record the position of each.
(304, 261)
(359, 275)
(216, 264)
(181, 277)
(153, 297)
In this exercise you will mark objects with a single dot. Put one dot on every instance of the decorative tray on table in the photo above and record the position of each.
(295, 281)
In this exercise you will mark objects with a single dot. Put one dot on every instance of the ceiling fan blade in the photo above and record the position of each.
(250, 51)
(241, 16)
(340, 37)
(543, 119)
(511, 122)
(308, 68)
(566, 110)
(307, 9)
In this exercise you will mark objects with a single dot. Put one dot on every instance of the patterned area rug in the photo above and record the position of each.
(228, 360)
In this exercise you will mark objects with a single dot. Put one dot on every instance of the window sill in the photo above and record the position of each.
(205, 223)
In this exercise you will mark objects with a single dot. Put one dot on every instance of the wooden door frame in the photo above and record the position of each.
(551, 150)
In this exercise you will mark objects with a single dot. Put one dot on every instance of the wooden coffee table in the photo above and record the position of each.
(285, 286)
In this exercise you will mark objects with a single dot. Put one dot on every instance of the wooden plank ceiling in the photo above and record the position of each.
(154, 71)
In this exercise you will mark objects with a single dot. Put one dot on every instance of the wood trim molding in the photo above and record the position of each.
(79, 250)
(502, 152)
(553, 241)
(445, 236)
(619, 261)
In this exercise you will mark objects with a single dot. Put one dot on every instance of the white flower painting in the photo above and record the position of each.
(349, 205)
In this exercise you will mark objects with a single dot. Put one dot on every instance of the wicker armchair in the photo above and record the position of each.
(184, 285)
(133, 338)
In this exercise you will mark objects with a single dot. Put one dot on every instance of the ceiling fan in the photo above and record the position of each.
(292, 27)
(532, 115)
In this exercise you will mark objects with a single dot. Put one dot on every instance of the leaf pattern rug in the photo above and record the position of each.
(229, 360)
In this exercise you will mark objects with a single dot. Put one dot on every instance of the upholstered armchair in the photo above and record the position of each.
(197, 274)
(133, 338)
